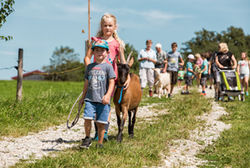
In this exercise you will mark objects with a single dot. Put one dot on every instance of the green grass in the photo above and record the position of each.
(232, 149)
(44, 104)
(150, 138)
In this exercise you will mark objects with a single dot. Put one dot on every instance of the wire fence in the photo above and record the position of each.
(44, 73)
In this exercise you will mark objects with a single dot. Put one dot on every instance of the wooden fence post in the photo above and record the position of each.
(19, 75)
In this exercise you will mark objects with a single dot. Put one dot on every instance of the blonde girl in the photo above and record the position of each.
(243, 70)
(108, 32)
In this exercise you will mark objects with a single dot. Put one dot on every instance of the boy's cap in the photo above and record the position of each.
(99, 43)
(190, 56)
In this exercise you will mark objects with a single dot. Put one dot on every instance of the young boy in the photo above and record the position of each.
(181, 74)
(172, 63)
(204, 74)
(189, 74)
(98, 87)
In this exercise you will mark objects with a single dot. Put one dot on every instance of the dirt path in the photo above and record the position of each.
(37, 145)
(183, 151)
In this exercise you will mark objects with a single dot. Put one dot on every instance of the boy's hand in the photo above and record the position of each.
(105, 99)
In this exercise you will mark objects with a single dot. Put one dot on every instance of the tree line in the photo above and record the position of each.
(207, 41)
(64, 58)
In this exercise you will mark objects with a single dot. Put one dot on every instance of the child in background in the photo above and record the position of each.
(204, 74)
(243, 70)
(181, 74)
(189, 74)
(108, 32)
(98, 87)
(197, 68)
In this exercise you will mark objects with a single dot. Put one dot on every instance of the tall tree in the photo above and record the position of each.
(207, 41)
(5, 10)
(64, 59)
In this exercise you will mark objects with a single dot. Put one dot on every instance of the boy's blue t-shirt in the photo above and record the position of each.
(98, 76)
(189, 66)
(205, 63)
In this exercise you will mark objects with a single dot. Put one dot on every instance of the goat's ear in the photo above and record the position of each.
(131, 61)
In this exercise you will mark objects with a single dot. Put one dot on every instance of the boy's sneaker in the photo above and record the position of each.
(86, 143)
(99, 146)
(246, 93)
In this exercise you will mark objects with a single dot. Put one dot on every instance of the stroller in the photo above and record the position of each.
(229, 85)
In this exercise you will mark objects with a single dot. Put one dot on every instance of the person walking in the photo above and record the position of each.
(147, 59)
(172, 63)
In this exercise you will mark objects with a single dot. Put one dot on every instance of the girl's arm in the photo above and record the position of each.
(234, 62)
(122, 56)
(107, 96)
(88, 55)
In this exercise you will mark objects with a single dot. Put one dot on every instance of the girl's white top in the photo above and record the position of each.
(244, 67)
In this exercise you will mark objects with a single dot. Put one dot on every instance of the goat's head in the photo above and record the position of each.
(123, 70)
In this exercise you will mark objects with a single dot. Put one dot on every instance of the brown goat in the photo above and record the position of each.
(129, 101)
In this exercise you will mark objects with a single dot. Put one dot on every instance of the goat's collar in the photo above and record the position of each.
(120, 86)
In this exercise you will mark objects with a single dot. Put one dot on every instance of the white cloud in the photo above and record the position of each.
(8, 53)
(154, 14)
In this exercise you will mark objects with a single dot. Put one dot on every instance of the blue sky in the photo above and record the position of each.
(39, 26)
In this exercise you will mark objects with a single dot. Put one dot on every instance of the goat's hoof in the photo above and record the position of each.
(119, 139)
(131, 135)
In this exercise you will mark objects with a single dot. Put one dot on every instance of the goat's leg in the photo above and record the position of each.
(129, 122)
(160, 91)
(131, 135)
(118, 116)
(125, 113)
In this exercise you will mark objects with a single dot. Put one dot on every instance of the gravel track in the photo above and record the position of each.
(54, 139)
(183, 151)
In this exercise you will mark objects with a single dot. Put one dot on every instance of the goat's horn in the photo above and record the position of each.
(129, 56)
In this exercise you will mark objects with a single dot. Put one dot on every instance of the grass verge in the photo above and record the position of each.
(144, 149)
(232, 149)
(44, 104)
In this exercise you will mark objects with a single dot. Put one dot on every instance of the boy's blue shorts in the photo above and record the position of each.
(96, 111)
